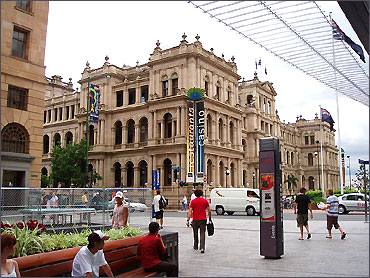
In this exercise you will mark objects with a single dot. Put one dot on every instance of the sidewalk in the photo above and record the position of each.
(234, 251)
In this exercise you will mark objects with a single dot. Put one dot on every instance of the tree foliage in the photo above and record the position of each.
(359, 181)
(292, 183)
(66, 165)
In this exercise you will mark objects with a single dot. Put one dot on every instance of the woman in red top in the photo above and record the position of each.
(150, 248)
(198, 208)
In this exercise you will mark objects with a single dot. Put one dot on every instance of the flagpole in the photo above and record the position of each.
(322, 161)
(336, 90)
(87, 133)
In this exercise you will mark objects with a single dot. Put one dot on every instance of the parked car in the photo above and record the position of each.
(135, 206)
(352, 202)
(230, 200)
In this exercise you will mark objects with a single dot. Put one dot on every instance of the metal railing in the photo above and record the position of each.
(22, 204)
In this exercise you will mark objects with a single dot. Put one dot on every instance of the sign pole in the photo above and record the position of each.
(364, 162)
(87, 133)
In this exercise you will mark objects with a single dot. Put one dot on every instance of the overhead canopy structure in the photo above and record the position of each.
(300, 34)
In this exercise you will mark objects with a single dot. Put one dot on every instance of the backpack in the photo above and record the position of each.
(162, 203)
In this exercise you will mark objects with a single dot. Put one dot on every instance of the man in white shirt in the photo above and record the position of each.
(157, 209)
(91, 257)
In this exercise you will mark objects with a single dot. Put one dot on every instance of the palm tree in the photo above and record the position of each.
(292, 183)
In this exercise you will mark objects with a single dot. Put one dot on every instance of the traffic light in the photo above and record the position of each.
(175, 174)
(182, 183)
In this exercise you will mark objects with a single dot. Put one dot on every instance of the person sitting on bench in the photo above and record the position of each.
(150, 249)
(91, 257)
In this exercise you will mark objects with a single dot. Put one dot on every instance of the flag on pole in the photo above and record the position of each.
(326, 117)
(94, 103)
(259, 62)
(338, 34)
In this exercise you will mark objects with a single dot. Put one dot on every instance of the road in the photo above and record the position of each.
(288, 215)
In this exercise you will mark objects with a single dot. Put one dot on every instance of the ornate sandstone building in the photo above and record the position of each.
(142, 123)
(23, 85)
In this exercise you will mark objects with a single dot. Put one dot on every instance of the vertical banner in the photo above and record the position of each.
(94, 94)
(343, 169)
(190, 144)
(155, 180)
(200, 141)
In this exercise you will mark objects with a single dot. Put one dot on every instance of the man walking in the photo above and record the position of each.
(303, 203)
(159, 205)
(120, 212)
(150, 248)
(198, 207)
(332, 205)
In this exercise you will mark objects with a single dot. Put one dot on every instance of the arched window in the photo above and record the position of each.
(117, 174)
(143, 129)
(287, 157)
(164, 86)
(69, 138)
(174, 83)
(292, 158)
(269, 107)
(218, 90)
(44, 171)
(143, 166)
(91, 135)
(118, 133)
(209, 171)
(167, 167)
(14, 138)
(130, 131)
(209, 126)
(311, 183)
(45, 141)
(206, 85)
(244, 144)
(220, 130)
(228, 97)
(130, 174)
(231, 130)
(167, 125)
(310, 159)
(57, 139)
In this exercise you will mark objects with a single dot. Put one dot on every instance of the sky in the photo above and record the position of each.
(126, 31)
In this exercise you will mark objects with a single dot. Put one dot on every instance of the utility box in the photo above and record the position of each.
(271, 210)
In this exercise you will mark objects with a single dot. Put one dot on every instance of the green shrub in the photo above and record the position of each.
(33, 241)
(314, 195)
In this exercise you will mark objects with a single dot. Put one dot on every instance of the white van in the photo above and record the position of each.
(230, 200)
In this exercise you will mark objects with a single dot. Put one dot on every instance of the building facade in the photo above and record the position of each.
(23, 85)
(143, 116)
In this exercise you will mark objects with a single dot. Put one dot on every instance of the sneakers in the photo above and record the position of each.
(308, 236)
(202, 251)
(343, 236)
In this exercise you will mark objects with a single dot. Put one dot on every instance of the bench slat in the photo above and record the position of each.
(120, 253)
(49, 270)
(124, 264)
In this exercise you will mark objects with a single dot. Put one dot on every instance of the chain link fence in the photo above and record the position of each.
(70, 211)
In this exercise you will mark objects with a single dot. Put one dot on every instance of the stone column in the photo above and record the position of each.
(102, 131)
(179, 119)
(136, 176)
(136, 136)
(124, 134)
(217, 172)
(162, 130)
(155, 131)
(183, 120)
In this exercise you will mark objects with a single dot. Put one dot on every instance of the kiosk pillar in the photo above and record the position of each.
(271, 215)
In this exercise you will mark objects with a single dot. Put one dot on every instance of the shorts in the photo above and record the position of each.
(159, 214)
(332, 221)
(302, 220)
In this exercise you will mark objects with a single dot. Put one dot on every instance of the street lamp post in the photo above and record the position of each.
(318, 163)
(254, 179)
(227, 172)
(349, 170)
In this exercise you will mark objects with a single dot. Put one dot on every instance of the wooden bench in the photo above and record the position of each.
(120, 255)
